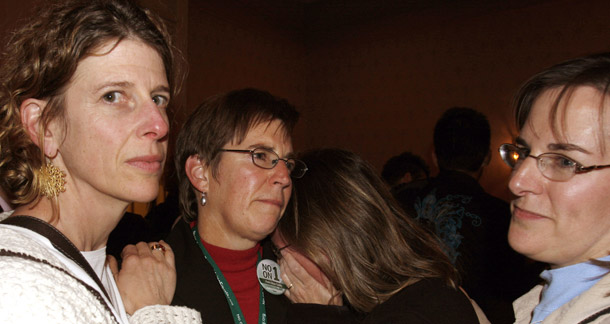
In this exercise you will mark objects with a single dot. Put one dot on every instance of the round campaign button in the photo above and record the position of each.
(268, 273)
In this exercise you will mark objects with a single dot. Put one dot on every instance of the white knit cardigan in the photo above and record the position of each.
(36, 287)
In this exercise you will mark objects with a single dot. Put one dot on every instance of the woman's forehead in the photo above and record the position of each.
(261, 129)
(576, 114)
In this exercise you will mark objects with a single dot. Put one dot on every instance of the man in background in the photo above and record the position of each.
(403, 169)
(471, 223)
(406, 174)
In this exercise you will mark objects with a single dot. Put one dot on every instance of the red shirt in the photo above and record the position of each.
(239, 268)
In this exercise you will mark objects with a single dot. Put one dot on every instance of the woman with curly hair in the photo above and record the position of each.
(85, 88)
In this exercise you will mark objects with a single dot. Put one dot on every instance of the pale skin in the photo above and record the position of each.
(111, 145)
(306, 281)
(147, 277)
(245, 202)
(304, 287)
(563, 223)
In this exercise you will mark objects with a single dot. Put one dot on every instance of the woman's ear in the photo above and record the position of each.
(434, 159)
(197, 172)
(31, 113)
(487, 159)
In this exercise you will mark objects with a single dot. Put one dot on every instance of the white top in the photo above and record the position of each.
(37, 285)
(97, 260)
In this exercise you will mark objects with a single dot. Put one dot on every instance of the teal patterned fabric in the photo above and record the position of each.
(446, 216)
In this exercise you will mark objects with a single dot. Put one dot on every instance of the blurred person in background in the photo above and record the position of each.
(403, 169)
(406, 174)
(471, 223)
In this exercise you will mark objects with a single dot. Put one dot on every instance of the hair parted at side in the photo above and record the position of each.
(39, 62)
(461, 139)
(344, 218)
(592, 70)
(219, 120)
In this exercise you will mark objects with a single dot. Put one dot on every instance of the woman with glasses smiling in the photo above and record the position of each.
(561, 214)
(235, 166)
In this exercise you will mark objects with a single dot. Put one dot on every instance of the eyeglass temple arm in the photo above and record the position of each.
(591, 168)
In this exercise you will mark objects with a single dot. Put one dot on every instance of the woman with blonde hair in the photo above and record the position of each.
(386, 267)
(85, 88)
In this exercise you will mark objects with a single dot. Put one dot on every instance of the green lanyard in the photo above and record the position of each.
(238, 316)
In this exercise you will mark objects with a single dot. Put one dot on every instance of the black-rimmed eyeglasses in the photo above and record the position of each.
(267, 159)
(554, 166)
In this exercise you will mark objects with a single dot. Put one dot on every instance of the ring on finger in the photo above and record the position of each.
(289, 286)
(157, 247)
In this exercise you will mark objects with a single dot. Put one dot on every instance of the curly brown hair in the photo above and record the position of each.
(39, 62)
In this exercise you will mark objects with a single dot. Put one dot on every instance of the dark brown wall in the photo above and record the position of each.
(11, 12)
(229, 48)
(380, 87)
(377, 87)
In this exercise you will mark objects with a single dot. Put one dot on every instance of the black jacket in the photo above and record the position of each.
(474, 226)
(198, 288)
(428, 301)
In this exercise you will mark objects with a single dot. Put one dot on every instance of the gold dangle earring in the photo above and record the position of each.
(52, 180)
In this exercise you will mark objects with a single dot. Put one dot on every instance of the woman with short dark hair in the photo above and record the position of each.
(235, 166)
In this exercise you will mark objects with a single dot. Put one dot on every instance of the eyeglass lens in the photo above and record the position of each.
(511, 155)
(553, 166)
(268, 159)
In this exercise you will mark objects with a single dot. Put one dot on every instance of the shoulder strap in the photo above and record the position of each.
(59, 241)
